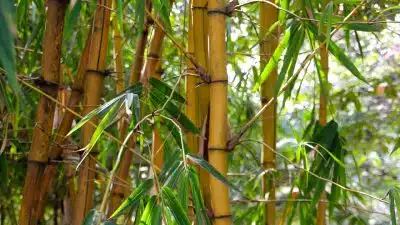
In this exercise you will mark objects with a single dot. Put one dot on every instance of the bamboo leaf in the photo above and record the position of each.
(326, 18)
(103, 108)
(104, 123)
(7, 51)
(165, 89)
(339, 55)
(392, 207)
(373, 27)
(175, 112)
(171, 201)
(163, 9)
(91, 217)
(133, 198)
(72, 19)
(214, 172)
(183, 189)
(120, 12)
(140, 11)
(135, 89)
(289, 61)
(146, 217)
(273, 60)
(199, 206)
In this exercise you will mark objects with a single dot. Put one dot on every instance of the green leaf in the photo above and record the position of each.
(392, 207)
(104, 123)
(103, 108)
(214, 172)
(273, 60)
(140, 11)
(7, 51)
(135, 89)
(172, 202)
(165, 89)
(133, 198)
(339, 55)
(163, 8)
(282, 13)
(373, 27)
(146, 217)
(199, 206)
(72, 19)
(183, 189)
(326, 18)
(289, 61)
(174, 111)
(91, 217)
(120, 13)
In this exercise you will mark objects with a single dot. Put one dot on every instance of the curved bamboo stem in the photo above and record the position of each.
(217, 144)
(268, 16)
(38, 154)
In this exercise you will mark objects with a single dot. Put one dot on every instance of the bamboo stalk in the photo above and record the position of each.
(92, 94)
(191, 109)
(38, 154)
(268, 16)
(217, 145)
(322, 204)
(324, 54)
(191, 98)
(200, 38)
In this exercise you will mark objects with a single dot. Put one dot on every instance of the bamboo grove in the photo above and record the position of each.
(198, 112)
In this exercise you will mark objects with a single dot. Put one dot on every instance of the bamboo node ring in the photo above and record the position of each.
(265, 100)
(221, 216)
(220, 149)
(104, 73)
(217, 11)
(46, 84)
(199, 7)
(218, 81)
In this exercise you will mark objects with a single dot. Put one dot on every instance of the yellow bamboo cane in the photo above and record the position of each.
(200, 40)
(217, 145)
(322, 204)
(268, 44)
